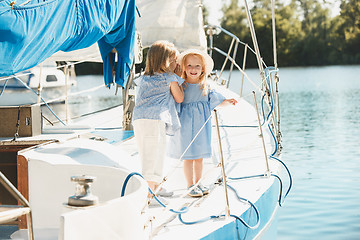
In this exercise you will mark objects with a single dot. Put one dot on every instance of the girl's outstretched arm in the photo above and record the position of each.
(177, 92)
(227, 102)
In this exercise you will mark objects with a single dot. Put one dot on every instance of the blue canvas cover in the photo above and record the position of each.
(32, 32)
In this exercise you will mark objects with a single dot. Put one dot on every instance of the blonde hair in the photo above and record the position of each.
(158, 57)
(202, 77)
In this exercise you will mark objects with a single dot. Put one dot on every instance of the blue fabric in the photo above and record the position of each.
(113, 136)
(154, 100)
(195, 110)
(31, 33)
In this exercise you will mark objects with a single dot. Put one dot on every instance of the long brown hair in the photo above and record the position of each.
(159, 56)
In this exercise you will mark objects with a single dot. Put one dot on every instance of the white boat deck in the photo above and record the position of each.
(243, 156)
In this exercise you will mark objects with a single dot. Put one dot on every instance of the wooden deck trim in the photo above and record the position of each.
(23, 184)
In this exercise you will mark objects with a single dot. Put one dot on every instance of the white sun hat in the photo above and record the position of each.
(209, 63)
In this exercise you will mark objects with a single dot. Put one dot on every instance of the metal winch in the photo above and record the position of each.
(83, 196)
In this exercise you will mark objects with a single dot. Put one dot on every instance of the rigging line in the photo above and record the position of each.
(57, 67)
(41, 99)
(253, 36)
(179, 160)
(237, 39)
(238, 67)
(289, 174)
(280, 201)
(236, 126)
(271, 110)
(232, 215)
(196, 202)
(252, 205)
(4, 87)
(12, 76)
(272, 156)
(74, 63)
(204, 176)
(274, 31)
(74, 94)
(271, 104)
(274, 152)
(183, 210)
(225, 136)
(90, 113)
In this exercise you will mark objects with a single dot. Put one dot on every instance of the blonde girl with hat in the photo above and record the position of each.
(158, 94)
(195, 109)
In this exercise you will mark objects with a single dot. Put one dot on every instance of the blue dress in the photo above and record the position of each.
(195, 110)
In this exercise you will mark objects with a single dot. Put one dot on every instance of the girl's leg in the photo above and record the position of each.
(151, 144)
(188, 172)
(198, 168)
(191, 169)
(160, 149)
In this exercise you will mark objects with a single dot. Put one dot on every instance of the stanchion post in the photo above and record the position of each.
(227, 207)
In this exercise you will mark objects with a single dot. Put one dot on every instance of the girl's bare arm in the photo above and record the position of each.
(177, 92)
(229, 101)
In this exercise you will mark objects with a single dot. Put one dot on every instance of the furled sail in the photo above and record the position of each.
(32, 31)
(178, 21)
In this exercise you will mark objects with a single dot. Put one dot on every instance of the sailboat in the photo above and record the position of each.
(83, 180)
(44, 80)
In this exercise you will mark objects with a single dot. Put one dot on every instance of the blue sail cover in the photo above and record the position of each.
(31, 33)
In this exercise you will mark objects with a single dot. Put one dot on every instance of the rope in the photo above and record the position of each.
(186, 209)
(17, 125)
(181, 211)
(4, 87)
(179, 160)
(41, 99)
(232, 215)
(76, 93)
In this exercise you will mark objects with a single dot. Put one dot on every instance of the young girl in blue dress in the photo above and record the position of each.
(196, 108)
(155, 114)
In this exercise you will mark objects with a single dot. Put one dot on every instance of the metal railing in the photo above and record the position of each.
(268, 81)
(9, 215)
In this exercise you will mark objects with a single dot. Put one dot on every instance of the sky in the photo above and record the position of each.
(214, 8)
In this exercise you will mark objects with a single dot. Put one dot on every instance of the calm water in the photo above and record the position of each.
(321, 129)
(320, 121)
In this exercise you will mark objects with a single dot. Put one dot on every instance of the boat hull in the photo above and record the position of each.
(268, 209)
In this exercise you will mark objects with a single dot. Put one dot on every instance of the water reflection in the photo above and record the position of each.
(320, 123)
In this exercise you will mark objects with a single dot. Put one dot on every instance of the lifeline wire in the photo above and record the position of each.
(186, 209)
(266, 120)
(4, 87)
(41, 99)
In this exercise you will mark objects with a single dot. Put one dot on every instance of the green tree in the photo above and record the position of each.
(350, 29)
(233, 20)
(315, 25)
(289, 35)
(306, 33)
(288, 30)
